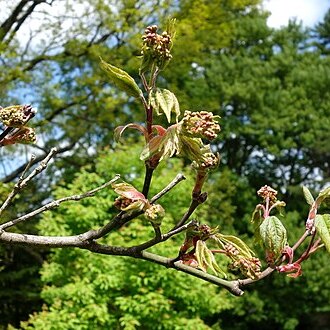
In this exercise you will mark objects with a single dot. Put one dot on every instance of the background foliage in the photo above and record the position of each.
(270, 88)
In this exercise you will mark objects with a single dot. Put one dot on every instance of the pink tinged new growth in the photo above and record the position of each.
(293, 270)
(129, 198)
(22, 135)
(288, 253)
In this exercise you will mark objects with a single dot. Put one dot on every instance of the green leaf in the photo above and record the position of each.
(121, 79)
(322, 225)
(323, 196)
(164, 101)
(257, 220)
(273, 235)
(279, 205)
(308, 196)
(200, 247)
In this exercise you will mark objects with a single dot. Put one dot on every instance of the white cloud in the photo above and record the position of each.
(308, 11)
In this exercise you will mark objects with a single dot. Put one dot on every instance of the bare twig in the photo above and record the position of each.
(56, 203)
(162, 238)
(180, 177)
(193, 206)
(122, 218)
(22, 182)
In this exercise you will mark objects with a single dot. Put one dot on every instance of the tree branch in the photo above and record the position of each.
(56, 203)
(22, 182)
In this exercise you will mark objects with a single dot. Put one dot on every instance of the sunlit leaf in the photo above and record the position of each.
(164, 101)
(322, 225)
(273, 235)
(323, 196)
(308, 196)
(205, 259)
(121, 79)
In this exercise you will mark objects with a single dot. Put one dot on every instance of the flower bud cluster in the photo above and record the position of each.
(200, 124)
(156, 49)
(16, 115)
(267, 192)
(122, 203)
(209, 161)
(157, 45)
(250, 267)
(231, 250)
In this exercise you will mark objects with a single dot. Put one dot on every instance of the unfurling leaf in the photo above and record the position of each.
(205, 259)
(129, 199)
(293, 270)
(308, 196)
(237, 243)
(273, 235)
(121, 79)
(164, 101)
(323, 196)
(120, 130)
(165, 145)
(257, 220)
(322, 225)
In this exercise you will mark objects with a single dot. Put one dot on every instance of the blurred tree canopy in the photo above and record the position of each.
(270, 88)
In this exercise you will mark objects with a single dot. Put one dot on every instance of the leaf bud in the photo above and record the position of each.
(155, 214)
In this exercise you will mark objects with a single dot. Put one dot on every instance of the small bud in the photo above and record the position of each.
(155, 214)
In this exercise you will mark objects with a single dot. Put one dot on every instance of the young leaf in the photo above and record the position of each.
(200, 247)
(205, 258)
(273, 235)
(322, 224)
(323, 196)
(308, 196)
(257, 220)
(243, 249)
(165, 145)
(164, 101)
(120, 130)
(121, 79)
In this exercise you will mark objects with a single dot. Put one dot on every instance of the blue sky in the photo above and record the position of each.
(309, 11)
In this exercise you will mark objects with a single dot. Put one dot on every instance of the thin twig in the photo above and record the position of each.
(122, 218)
(56, 203)
(193, 206)
(147, 180)
(180, 177)
(162, 238)
(28, 165)
(22, 182)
